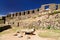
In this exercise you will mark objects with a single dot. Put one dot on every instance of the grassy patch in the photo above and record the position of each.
(50, 33)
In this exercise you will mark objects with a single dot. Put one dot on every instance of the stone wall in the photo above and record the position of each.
(4, 27)
(14, 18)
(35, 11)
(51, 6)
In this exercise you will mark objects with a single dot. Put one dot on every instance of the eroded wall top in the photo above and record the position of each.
(51, 7)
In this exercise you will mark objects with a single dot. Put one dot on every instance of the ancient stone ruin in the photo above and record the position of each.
(14, 18)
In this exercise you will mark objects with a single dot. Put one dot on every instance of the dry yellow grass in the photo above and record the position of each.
(50, 34)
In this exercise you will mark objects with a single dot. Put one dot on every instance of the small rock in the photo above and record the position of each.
(28, 37)
(15, 34)
(18, 32)
(20, 36)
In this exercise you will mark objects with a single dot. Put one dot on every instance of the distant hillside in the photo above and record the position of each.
(0, 17)
(1, 21)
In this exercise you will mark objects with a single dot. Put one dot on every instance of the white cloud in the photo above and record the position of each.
(2, 15)
(47, 9)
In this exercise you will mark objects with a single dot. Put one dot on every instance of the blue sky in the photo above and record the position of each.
(7, 6)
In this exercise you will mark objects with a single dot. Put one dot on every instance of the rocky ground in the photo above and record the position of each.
(25, 37)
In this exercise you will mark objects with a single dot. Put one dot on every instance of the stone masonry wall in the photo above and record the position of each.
(14, 18)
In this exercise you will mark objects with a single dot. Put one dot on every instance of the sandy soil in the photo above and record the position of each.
(25, 37)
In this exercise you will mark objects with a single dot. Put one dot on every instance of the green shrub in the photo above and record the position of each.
(54, 12)
(49, 27)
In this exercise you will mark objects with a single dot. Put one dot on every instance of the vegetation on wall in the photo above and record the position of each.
(54, 12)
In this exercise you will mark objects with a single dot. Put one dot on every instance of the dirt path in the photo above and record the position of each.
(25, 37)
